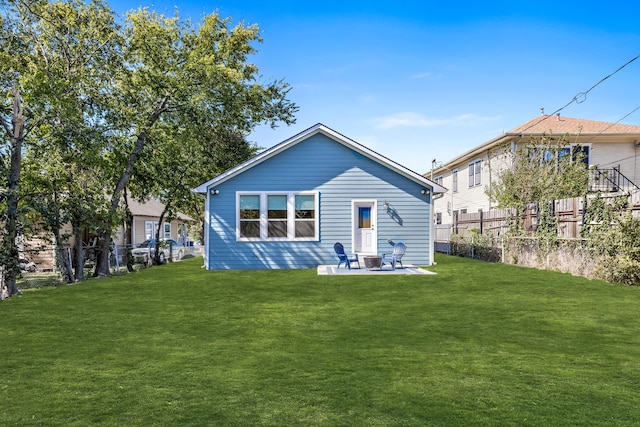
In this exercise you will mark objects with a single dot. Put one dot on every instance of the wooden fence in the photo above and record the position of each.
(496, 222)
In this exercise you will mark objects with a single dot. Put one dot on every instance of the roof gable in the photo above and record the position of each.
(335, 136)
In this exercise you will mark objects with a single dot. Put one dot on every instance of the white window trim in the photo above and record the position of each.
(475, 184)
(291, 207)
(164, 230)
(154, 228)
(570, 146)
(455, 180)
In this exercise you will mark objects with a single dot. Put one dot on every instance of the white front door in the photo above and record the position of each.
(365, 236)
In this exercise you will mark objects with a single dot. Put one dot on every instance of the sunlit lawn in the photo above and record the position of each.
(476, 344)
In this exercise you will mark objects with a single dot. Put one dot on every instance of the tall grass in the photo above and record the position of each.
(476, 344)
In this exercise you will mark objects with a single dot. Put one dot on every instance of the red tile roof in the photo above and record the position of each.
(561, 125)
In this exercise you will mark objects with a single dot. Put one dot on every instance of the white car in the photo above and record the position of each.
(169, 249)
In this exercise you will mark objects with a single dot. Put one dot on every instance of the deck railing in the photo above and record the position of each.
(610, 181)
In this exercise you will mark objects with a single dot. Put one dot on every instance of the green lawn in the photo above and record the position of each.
(476, 344)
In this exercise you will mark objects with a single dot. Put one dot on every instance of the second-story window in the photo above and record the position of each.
(475, 173)
(454, 175)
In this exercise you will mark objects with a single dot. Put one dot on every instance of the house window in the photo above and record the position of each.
(364, 217)
(305, 220)
(454, 177)
(438, 217)
(439, 180)
(167, 230)
(150, 228)
(577, 152)
(475, 171)
(277, 216)
(249, 216)
(182, 234)
(581, 154)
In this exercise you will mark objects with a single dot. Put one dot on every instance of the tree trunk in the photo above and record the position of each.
(102, 260)
(10, 253)
(102, 253)
(78, 251)
(66, 270)
(128, 232)
(156, 254)
(64, 260)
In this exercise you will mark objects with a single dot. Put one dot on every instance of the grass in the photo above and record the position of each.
(476, 344)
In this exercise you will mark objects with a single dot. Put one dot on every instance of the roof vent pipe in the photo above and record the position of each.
(558, 116)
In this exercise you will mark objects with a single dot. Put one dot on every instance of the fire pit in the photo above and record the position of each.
(372, 262)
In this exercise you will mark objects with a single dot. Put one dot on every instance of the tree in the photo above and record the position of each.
(10, 255)
(173, 70)
(15, 124)
(544, 170)
(69, 50)
(88, 103)
(613, 236)
(184, 158)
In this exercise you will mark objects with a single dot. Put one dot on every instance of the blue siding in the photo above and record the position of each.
(339, 175)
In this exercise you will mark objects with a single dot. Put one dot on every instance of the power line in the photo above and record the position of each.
(580, 97)
(613, 124)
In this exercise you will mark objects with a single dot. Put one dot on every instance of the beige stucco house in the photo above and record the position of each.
(146, 216)
(610, 147)
(40, 250)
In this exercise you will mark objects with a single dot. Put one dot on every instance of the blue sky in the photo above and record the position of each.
(423, 80)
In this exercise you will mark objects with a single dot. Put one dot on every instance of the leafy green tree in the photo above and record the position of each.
(175, 72)
(75, 49)
(542, 171)
(613, 235)
(17, 61)
(91, 108)
(183, 159)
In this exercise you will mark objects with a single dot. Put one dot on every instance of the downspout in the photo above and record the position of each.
(207, 225)
(490, 177)
(432, 239)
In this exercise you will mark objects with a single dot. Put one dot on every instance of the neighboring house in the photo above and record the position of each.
(611, 150)
(145, 224)
(289, 205)
(41, 251)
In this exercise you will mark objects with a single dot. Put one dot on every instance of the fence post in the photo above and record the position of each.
(472, 248)
(115, 251)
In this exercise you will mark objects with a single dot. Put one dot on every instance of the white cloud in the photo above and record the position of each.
(425, 75)
(410, 119)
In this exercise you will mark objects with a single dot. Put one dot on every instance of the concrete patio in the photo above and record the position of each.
(327, 270)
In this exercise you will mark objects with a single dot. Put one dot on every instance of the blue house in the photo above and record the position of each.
(288, 206)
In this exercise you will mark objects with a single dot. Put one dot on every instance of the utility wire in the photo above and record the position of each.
(581, 96)
(612, 124)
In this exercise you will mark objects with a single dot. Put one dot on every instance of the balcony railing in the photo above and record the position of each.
(610, 181)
